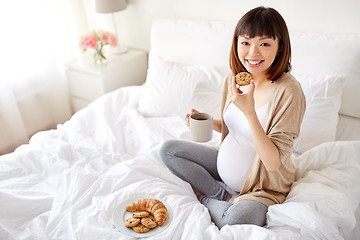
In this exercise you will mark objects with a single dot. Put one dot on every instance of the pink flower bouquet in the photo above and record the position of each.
(97, 40)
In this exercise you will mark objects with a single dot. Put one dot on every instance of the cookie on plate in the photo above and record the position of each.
(140, 214)
(131, 222)
(141, 228)
(148, 222)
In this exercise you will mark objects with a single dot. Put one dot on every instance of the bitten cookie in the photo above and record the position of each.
(131, 222)
(141, 228)
(243, 78)
(148, 222)
(140, 214)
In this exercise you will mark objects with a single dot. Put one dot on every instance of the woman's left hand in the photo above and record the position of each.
(244, 101)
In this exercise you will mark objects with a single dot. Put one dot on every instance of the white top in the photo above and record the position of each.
(237, 151)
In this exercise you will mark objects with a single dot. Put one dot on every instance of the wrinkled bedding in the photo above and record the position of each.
(66, 183)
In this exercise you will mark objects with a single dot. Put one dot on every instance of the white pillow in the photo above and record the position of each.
(323, 101)
(172, 89)
(322, 54)
(208, 100)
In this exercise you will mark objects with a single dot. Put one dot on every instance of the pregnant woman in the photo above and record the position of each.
(251, 169)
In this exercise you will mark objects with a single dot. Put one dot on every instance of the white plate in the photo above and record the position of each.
(120, 215)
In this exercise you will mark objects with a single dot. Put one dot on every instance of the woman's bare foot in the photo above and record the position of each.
(233, 198)
(197, 193)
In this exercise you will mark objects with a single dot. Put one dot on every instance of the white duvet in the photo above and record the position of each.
(67, 182)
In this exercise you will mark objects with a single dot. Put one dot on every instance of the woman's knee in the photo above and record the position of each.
(168, 150)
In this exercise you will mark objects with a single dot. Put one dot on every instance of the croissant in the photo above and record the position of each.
(153, 206)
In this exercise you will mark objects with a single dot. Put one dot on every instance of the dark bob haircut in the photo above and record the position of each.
(262, 21)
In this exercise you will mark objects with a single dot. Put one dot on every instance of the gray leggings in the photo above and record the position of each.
(196, 164)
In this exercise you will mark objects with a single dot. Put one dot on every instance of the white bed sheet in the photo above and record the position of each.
(67, 182)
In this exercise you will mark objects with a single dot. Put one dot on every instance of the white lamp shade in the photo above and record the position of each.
(110, 6)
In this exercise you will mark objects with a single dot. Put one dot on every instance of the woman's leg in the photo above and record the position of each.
(243, 212)
(195, 164)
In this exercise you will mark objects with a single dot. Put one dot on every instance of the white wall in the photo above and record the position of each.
(134, 23)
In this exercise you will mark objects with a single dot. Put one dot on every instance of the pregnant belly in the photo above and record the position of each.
(234, 161)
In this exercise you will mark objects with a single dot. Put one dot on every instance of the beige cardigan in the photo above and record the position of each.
(286, 109)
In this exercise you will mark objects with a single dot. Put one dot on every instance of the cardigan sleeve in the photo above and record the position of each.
(286, 114)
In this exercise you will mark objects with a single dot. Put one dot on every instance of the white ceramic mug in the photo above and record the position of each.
(201, 127)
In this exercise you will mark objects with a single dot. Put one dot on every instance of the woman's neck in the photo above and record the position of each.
(260, 80)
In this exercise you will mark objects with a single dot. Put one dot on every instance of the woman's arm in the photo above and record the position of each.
(266, 149)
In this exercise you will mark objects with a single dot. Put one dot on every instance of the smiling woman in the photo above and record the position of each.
(35, 44)
(251, 169)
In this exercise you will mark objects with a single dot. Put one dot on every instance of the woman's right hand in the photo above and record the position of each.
(187, 118)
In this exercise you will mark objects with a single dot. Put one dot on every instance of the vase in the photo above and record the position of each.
(99, 56)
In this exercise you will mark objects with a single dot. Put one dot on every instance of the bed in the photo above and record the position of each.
(68, 183)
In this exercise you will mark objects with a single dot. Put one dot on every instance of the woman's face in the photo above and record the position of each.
(257, 54)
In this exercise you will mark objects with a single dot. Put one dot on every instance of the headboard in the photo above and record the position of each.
(208, 43)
